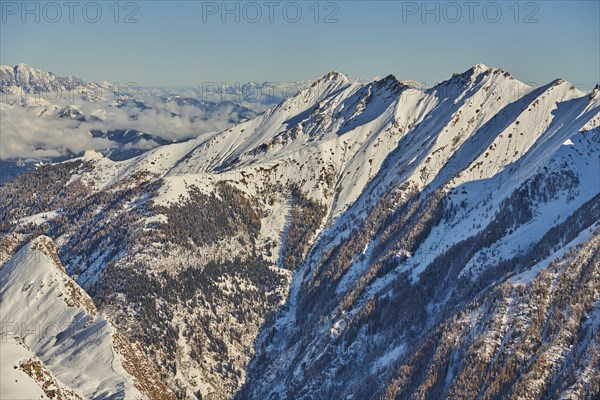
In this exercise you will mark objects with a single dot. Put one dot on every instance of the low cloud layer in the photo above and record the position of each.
(33, 129)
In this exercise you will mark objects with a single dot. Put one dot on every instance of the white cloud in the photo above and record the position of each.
(33, 130)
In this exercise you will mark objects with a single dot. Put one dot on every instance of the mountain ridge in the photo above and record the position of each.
(69, 340)
(322, 240)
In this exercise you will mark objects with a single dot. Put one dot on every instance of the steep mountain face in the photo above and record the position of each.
(355, 241)
(55, 341)
(426, 287)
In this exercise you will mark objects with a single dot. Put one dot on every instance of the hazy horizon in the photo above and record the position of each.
(230, 42)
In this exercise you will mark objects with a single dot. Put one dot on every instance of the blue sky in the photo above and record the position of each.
(185, 43)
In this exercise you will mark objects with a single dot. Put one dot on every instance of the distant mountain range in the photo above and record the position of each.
(48, 118)
(23, 79)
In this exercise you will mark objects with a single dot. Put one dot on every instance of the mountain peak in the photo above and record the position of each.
(480, 67)
(564, 84)
(22, 66)
(335, 75)
(469, 76)
(320, 88)
(390, 78)
(331, 76)
(390, 82)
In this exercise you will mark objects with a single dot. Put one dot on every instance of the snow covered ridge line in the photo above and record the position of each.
(273, 92)
(53, 332)
(37, 254)
(22, 81)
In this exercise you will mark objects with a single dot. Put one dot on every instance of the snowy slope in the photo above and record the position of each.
(25, 377)
(49, 318)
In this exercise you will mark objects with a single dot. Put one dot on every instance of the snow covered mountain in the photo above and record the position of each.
(355, 241)
(23, 78)
(55, 342)
(440, 280)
